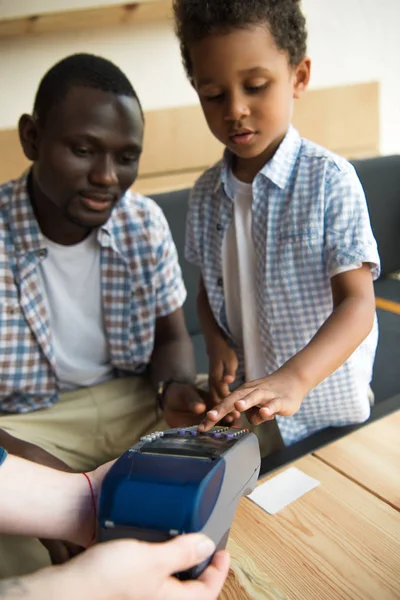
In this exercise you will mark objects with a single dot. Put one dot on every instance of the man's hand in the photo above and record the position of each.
(183, 405)
(278, 394)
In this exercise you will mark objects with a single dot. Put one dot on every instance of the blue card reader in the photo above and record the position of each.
(179, 481)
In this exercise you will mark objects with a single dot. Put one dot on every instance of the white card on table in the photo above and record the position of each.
(281, 490)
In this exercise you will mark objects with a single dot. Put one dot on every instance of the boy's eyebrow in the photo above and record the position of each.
(252, 71)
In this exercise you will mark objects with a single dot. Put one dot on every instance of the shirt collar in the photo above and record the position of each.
(278, 169)
(25, 230)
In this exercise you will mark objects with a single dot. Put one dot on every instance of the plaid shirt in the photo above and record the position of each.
(310, 220)
(140, 277)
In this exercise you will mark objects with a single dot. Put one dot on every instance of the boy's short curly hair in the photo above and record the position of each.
(197, 19)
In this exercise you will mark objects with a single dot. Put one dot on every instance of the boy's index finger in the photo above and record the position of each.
(221, 410)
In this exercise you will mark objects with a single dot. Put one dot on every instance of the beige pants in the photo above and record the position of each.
(85, 428)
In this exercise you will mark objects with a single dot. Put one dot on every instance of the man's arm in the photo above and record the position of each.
(173, 359)
(173, 355)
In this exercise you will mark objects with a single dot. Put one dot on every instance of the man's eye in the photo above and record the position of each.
(127, 159)
(81, 151)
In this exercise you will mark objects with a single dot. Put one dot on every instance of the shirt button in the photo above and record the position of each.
(42, 253)
(220, 282)
(219, 227)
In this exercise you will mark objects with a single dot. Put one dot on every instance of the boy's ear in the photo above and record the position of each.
(302, 77)
(29, 136)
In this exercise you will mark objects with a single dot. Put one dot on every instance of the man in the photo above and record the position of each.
(91, 291)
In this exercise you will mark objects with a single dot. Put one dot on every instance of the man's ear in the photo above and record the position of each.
(29, 136)
(302, 77)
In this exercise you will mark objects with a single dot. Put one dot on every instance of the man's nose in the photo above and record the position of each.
(104, 171)
(236, 108)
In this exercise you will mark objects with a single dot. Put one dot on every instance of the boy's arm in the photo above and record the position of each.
(282, 392)
(223, 360)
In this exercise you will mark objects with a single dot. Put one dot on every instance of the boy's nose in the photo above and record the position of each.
(236, 109)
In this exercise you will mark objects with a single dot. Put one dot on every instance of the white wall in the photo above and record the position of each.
(350, 41)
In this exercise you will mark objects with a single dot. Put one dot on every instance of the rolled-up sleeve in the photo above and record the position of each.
(349, 239)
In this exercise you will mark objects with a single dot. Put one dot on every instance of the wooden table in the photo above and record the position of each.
(339, 541)
(370, 457)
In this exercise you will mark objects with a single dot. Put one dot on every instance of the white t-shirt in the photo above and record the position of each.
(71, 285)
(239, 276)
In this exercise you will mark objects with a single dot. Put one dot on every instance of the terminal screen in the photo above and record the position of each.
(199, 446)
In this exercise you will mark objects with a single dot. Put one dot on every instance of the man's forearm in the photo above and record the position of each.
(174, 359)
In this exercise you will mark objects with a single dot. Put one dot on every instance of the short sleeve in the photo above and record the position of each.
(170, 289)
(348, 234)
(3, 455)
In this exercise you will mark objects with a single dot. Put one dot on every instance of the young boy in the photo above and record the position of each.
(279, 228)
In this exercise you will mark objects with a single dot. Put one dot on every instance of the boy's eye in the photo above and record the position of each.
(253, 89)
(214, 97)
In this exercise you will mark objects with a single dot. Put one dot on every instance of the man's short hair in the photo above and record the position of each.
(197, 19)
(85, 70)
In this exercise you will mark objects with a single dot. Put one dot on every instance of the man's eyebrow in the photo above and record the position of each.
(251, 71)
(97, 141)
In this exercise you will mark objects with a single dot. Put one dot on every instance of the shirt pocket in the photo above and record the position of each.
(309, 237)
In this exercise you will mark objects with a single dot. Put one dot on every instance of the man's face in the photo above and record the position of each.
(87, 154)
(247, 88)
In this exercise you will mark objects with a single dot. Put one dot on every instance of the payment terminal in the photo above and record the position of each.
(179, 481)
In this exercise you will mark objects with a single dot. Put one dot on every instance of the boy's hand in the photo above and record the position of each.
(222, 372)
(279, 394)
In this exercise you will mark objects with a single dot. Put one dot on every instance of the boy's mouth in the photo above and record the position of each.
(242, 136)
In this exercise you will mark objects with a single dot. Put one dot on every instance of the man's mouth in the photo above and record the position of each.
(242, 136)
(97, 202)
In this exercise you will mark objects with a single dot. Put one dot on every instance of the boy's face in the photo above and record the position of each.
(247, 88)
(85, 155)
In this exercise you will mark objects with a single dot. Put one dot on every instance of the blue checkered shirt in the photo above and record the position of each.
(140, 278)
(310, 220)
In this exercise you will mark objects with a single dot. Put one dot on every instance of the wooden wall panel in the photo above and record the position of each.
(178, 145)
(132, 13)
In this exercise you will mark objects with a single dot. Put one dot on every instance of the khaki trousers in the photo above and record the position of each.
(85, 428)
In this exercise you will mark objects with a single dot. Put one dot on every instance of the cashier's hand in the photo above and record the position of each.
(184, 405)
(278, 394)
(139, 571)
